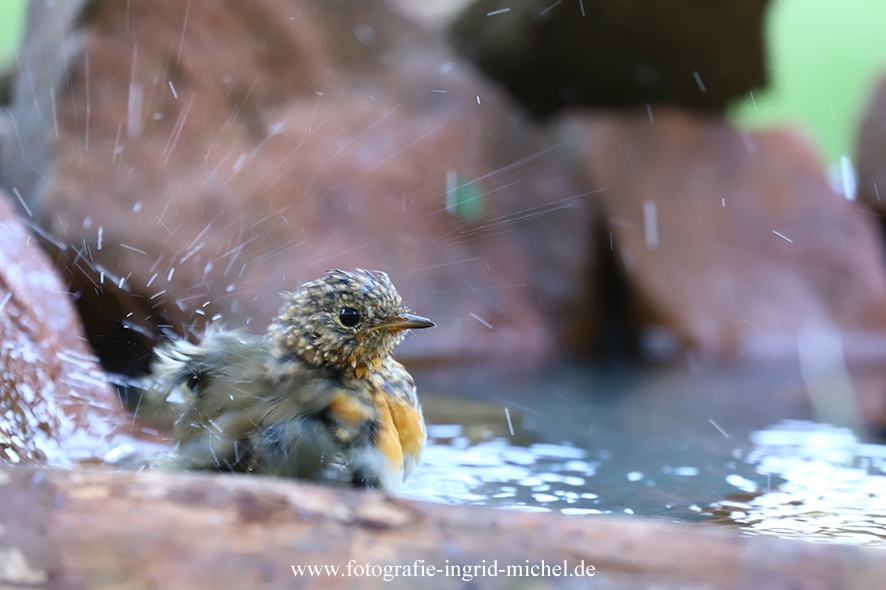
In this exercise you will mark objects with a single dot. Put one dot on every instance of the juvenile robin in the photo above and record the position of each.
(318, 397)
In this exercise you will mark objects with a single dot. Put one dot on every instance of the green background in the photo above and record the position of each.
(12, 20)
(825, 57)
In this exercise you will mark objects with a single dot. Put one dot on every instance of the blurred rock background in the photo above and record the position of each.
(543, 179)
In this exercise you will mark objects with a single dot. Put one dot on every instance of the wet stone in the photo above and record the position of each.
(56, 406)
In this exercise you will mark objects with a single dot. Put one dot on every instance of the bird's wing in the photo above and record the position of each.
(180, 368)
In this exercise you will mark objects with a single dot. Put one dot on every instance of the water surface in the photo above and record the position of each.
(732, 446)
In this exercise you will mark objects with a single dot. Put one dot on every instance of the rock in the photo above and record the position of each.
(732, 241)
(194, 190)
(204, 531)
(612, 53)
(182, 188)
(870, 152)
(56, 404)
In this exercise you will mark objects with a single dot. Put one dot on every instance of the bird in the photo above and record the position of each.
(319, 396)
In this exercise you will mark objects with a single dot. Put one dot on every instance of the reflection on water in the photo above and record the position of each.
(830, 487)
(800, 479)
(541, 477)
(538, 477)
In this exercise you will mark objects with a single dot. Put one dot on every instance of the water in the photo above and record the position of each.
(731, 447)
(541, 477)
(830, 486)
(544, 477)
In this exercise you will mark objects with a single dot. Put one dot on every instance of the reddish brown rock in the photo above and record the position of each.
(733, 241)
(55, 403)
(214, 531)
(203, 166)
(870, 152)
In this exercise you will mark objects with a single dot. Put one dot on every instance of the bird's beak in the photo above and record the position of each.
(405, 321)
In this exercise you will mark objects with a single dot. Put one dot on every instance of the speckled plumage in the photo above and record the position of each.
(307, 327)
(314, 398)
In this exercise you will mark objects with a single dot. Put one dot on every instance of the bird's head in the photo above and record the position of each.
(344, 319)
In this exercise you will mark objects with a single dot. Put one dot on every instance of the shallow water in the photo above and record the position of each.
(733, 447)
(831, 487)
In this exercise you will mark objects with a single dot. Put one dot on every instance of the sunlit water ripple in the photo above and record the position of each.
(801, 479)
(538, 478)
(831, 487)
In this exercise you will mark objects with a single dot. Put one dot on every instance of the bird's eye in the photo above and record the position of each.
(193, 381)
(349, 317)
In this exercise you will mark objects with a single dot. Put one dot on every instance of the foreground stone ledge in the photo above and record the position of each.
(101, 529)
